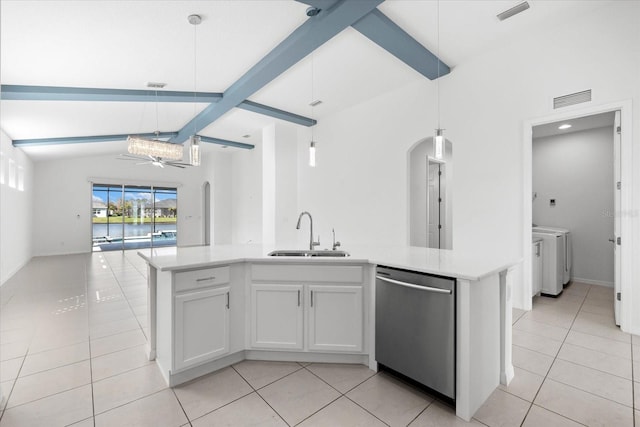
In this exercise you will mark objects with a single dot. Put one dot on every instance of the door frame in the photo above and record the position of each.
(626, 201)
(431, 162)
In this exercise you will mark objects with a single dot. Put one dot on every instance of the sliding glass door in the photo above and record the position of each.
(133, 217)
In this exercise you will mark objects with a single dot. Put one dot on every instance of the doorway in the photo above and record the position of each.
(436, 202)
(622, 165)
(429, 195)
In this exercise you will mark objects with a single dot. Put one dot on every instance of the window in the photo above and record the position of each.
(132, 217)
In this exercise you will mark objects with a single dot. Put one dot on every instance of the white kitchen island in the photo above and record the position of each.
(212, 306)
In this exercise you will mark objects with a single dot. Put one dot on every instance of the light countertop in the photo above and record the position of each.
(449, 263)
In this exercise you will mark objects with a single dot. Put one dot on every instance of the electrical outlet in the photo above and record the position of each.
(552, 202)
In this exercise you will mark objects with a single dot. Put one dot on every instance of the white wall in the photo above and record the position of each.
(62, 219)
(360, 184)
(217, 168)
(16, 211)
(576, 169)
(246, 172)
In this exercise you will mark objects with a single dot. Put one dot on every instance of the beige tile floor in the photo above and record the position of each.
(72, 334)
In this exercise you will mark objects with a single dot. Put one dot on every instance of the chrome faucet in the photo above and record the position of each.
(311, 242)
(335, 244)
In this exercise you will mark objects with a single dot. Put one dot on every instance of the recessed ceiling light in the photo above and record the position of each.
(156, 85)
(564, 126)
(316, 102)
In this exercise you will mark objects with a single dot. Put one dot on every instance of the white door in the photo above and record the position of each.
(616, 217)
(335, 318)
(276, 316)
(202, 326)
(433, 205)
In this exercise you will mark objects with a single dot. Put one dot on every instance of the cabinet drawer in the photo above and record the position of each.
(308, 273)
(196, 279)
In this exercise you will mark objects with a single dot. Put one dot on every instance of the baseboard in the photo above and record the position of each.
(592, 282)
(14, 271)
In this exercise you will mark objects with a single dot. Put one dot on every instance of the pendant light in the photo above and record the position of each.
(438, 140)
(312, 153)
(313, 103)
(194, 141)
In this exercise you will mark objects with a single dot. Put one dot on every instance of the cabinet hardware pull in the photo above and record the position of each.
(228, 298)
(311, 298)
(418, 287)
(204, 279)
(298, 297)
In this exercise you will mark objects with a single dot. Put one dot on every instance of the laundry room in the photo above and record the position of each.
(575, 164)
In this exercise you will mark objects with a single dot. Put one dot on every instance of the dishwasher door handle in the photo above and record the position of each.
(420, 288)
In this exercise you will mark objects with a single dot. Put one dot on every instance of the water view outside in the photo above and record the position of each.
(131, 217)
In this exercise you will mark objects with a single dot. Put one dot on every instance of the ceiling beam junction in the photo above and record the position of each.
(381, 30)
(335, 16)
(301, 42)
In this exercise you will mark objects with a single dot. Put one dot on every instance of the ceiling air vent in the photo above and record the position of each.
(572, 99)
(520, 7)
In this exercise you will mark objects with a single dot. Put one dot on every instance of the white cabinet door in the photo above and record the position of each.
(276, 316)
(536, 268)
(201, 326)
(335, 318)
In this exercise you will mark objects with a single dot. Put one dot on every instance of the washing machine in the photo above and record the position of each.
(568, 250)
(552, 261)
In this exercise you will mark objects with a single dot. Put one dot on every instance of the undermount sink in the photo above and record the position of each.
(308, 253)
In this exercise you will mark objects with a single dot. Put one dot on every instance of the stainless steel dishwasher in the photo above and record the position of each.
(415, 327)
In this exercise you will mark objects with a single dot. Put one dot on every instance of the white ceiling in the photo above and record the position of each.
(124, 44)
(577, 125)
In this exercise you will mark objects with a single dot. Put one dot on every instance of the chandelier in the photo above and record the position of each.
(154, 148)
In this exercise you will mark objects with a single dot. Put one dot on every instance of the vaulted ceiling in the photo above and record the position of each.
(250, 62)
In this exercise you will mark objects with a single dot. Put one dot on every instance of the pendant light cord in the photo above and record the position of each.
(312, 95)
(157, 120)
(438, 58)
(195, 77)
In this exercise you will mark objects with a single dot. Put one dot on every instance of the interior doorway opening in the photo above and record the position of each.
(623, 203)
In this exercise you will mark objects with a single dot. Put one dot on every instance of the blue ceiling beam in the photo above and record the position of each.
(49, 93)
(123, 137)
(278, 114)
(86, 139)
(226, 143)
(305, 39)
(377, 27)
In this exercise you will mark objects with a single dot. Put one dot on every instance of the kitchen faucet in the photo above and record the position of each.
(335, 244)
(311, 242)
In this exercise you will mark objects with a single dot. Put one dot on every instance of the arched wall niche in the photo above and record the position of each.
(430, 195)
